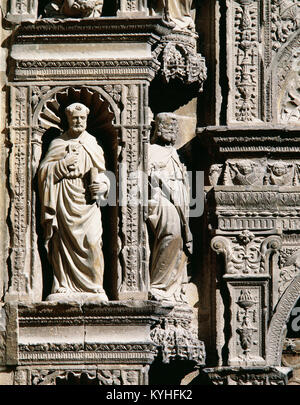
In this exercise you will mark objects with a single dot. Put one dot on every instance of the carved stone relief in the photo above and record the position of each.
(255, 172)
(285, 20)
(179, 14)
(290, 104)
(245, 20)
(74, 8)
(247, 342)
(245, 253)
(179, 59)
(106, 376)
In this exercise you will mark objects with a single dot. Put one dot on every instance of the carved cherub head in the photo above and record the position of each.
(166, 129)
(245, 167)
(279, 168)
(77, 114)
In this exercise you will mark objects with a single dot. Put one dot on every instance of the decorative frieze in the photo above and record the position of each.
(248, 375)
(134, 375)
(256, 172)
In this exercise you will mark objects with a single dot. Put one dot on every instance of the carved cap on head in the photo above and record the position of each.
(76, 107)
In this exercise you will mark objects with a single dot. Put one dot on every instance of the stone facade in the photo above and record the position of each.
(229, 74)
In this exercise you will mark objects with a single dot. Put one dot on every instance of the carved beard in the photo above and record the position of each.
(78, 129)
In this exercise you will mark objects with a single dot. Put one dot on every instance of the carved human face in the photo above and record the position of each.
(279, 169)
(167, 130)
(77, 121)
(245, 168)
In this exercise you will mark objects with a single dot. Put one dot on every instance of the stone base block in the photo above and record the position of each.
(246, 375)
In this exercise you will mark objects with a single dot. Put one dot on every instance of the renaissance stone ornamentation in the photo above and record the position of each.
(230, 70)
(74, 165)
(168, 213)
(281, 174)
(74, 8)
(241, 173)
(179, 13)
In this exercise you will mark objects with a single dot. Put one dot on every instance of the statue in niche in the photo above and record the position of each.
(179, 14)
(168, 208)
(71, 178)
(280, 174)
(74, 8)
(242, 173)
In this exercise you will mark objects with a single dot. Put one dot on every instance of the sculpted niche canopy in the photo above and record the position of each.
(70, 176)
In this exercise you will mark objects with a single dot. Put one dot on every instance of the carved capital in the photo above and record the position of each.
(246, 254)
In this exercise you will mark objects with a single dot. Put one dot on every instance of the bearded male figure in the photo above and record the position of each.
(70, 177)
(168, 209)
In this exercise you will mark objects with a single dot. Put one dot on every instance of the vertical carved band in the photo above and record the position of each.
(19, 185)
(245, 14)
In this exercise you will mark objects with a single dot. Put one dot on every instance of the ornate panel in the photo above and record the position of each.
(248, 323)
(245, 62)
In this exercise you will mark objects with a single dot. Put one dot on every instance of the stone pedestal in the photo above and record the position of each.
(112, 343)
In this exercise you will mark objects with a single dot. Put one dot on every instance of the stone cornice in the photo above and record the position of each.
(86, 30)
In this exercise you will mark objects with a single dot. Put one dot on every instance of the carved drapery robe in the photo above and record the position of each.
(179, 12)
(169, 233)
(72, 223)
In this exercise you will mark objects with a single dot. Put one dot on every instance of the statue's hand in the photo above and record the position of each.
(98, 188)
(71, 161)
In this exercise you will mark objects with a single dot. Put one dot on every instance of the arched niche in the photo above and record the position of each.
(49, 121)
(278, 325)
(284, 74)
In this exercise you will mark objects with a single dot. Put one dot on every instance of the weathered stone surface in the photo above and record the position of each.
(230, 73)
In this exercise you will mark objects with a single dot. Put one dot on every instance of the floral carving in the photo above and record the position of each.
(246, 60)
(177, 340)
(289, 269)
(290, 106)
(245, 254)
(285, 20)
(245, 316)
